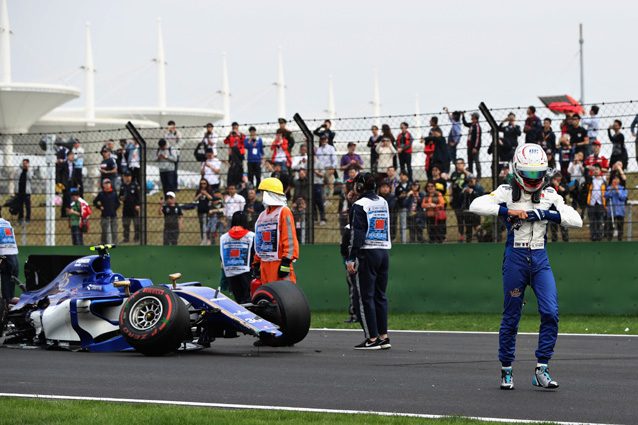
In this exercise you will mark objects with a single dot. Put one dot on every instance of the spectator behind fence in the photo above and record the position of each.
(454, 136)
(166, 159)
(173, 219)
(471, 221)
(434, 125)
(373, 142)
(617, 170)
(78, 165)
(401, 193)
(391, 178)
(565, 153)
(216, 216)
(350, 160)
(404, 149)
(473, 143)
(299, 208)
(60, 157)
(203, 198)
(326, 161)
(440, 156)
(576, 175)
(592, 123)
(434, 206)
(236, 150)
(301, 185)
(280, 152)
(134, 160)
(209, 141)
(413, 203)
(108, 202)
(617, 139)
(174, 139)
(387, 157)
(508, 143)
(317, 191)
(596, 158)
(633, 127)
(255, 148)
(458, 180)
(233, 202)
(121, 160)
(253, 208)
(24, 176)
(548, 142)
(596, 203)
(300, 160)
(578, 135)
(556, 183)
(440, 184)
(287, 134)
(533, 128)
(616, 196)
(210, 170)
(67, 181)
(324, 130)
(108, 166)
(131, 199)
(75, 217)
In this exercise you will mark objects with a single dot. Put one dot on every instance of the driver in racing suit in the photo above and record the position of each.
(526, 205)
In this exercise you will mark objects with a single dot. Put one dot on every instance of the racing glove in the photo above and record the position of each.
(541, 215)
(284, 268)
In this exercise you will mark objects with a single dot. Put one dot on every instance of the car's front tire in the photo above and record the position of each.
(154, 321)
(290, 311)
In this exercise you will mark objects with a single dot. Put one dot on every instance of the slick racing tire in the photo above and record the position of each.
(290, 311)
(154, 321)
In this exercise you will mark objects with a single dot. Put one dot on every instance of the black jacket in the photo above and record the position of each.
(109, 201)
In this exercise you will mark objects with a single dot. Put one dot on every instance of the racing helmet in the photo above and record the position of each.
(529, 167)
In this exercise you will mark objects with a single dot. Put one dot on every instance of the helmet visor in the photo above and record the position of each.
(532, 175)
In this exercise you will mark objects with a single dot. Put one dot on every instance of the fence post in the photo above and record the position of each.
(492, 122)
(310, 144)
(143, 208)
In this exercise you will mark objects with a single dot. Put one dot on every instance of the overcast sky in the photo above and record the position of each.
(453, 53)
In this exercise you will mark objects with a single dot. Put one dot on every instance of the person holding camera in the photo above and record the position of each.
(368, 261)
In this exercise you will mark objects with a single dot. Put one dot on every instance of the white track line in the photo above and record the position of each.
(407, 331)
(281, 408)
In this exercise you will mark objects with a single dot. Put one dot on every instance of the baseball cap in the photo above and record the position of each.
(282, 121)
(170, 194)
(596, 142)
(106, 181)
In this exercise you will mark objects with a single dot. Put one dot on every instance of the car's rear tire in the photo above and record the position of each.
(154, 321)
(290, 311)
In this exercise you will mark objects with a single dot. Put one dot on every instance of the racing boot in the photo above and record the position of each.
(507, 379)
(542, 377)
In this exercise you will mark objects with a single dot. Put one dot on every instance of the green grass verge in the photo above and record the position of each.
(17, 411)
(487, 322)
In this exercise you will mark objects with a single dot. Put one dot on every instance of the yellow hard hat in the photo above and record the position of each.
(272, 184)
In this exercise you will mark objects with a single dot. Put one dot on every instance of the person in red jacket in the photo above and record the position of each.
(280, 152)
(235, 139)
(404, 149)
(596, 158)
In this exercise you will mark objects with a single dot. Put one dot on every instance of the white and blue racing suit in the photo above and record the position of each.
(525, 263)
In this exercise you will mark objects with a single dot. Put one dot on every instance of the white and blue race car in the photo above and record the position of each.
(79, 303)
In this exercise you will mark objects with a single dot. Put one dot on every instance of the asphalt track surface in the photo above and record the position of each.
(428, 373)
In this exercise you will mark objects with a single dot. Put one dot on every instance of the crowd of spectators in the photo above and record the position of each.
(232, 167)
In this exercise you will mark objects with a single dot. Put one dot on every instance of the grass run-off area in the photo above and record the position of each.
(626, 325)
(17, 411)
